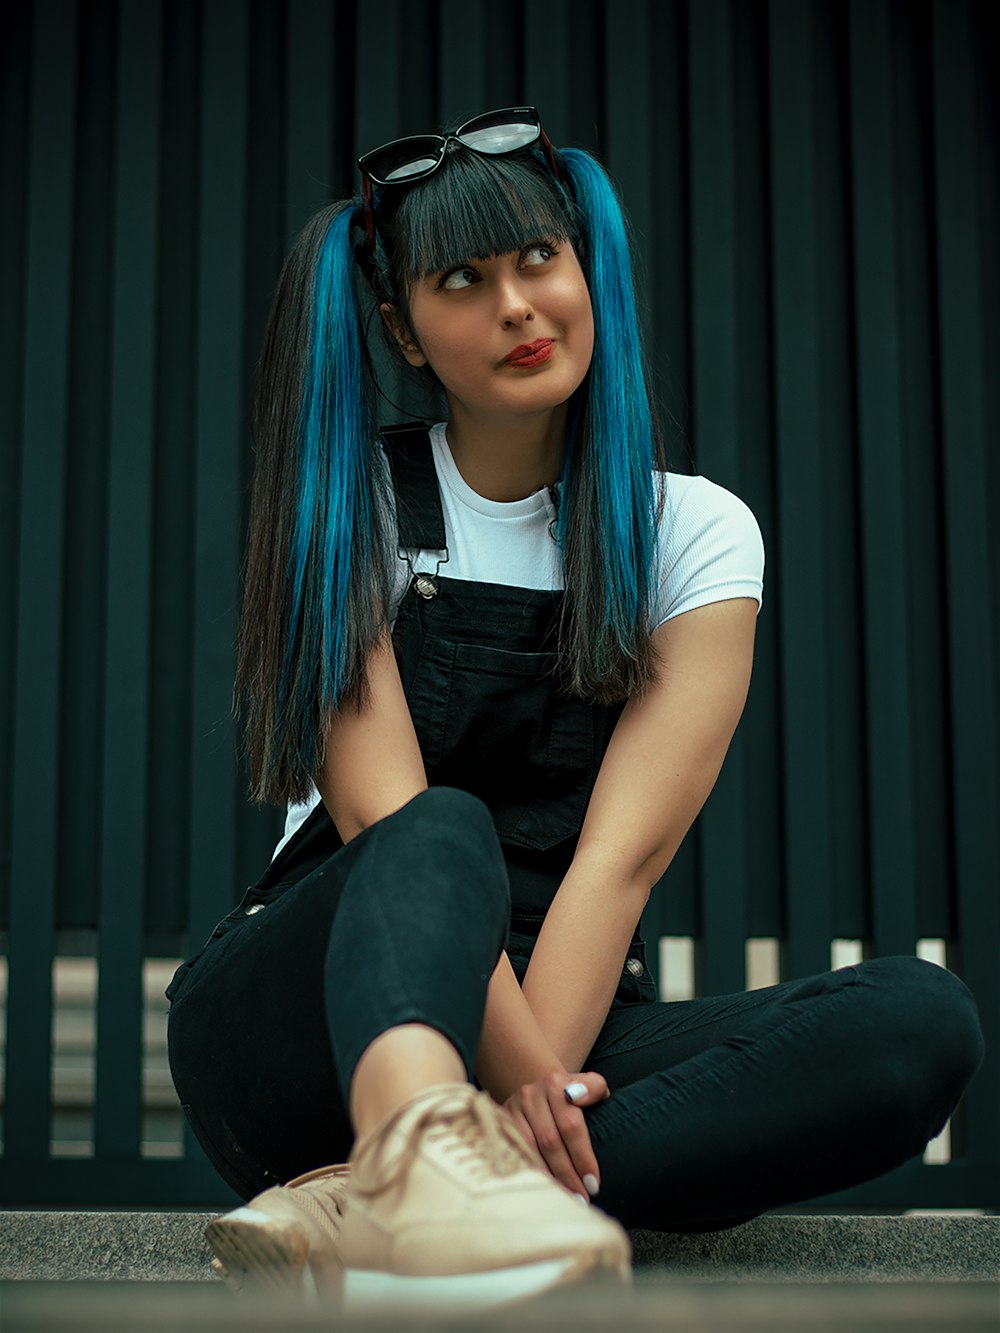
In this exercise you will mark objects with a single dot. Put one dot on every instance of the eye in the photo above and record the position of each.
(539, 253)
(457, 279)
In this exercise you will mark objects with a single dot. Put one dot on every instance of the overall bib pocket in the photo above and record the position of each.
(530, 757)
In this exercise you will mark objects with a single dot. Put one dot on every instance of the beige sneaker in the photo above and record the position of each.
(285, 1239)
(447, 1206)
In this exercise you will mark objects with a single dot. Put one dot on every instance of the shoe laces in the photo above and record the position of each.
(470, 1127)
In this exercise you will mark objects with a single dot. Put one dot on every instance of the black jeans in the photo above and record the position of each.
(720, 1109)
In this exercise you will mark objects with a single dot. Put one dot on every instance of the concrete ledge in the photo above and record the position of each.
(831, 1249)
(170, 1247)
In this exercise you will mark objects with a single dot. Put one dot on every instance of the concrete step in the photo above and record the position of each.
(170, 1247)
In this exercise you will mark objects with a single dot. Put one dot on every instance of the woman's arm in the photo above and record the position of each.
(373, 764)
(513, 1049)
(662, 762)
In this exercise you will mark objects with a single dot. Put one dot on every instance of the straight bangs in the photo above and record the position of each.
(474, 207)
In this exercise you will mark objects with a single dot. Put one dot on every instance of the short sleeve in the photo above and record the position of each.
(711, 548)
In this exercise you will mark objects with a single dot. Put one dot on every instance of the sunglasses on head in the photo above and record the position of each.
(493, 134)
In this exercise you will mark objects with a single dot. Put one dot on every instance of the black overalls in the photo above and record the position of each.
(477, 663)
(722, 1107)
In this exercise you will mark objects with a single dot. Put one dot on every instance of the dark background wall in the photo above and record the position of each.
(814, 190)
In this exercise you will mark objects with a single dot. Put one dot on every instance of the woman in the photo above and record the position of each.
(495, 667)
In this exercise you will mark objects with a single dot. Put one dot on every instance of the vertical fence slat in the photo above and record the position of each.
(926, 608)
(547, 69)
(464, 58)
(890, 715)
(167, 855)
(672, 907)
(36, 748)
(218, 451)
(81, 704)
(667, 291)
(585, 59)
(15, 29)
(721, 828)
(799, 559)
(378, 61)
(970, 551)
(419, 80)
(846, 876)
(118, 1098)
(752, 476)
(628, 134)
(310, 58)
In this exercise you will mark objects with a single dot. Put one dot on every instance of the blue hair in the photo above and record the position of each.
(616, 483)
(322, 585)
(332, 464)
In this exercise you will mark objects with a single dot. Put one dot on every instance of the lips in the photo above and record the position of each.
(530, 354)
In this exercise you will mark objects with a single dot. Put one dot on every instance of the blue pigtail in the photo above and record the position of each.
(335, 556)
(616, 483)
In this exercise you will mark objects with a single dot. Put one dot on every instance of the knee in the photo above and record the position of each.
(448, 815)
(452, 833)
(931, 1042)
(450, 806)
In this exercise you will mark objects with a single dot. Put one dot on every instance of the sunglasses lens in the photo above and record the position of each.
(500, 138)
(405, 160)
(501, 131)
(411, 168)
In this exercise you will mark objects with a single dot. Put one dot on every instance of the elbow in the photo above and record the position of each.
(621, 873)
(648, 871)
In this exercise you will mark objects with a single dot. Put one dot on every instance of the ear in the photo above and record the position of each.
(408, 344)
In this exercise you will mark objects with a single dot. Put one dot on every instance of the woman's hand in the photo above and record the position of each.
(556, 1126)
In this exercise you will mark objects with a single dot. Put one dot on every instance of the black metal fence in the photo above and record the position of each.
(814, 189)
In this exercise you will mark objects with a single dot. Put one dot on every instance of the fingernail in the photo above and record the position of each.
(583, 1200)
(591, 1184)
(575, 1092)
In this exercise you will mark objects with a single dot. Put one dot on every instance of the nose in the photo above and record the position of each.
(513, 304)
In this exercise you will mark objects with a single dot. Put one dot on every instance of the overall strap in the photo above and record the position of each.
(419, 516)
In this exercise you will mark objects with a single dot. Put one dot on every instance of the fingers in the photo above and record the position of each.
(559, 1129)
(586, 1089)
(517, 1115)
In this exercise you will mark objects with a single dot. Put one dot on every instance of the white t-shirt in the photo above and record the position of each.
(710, 549)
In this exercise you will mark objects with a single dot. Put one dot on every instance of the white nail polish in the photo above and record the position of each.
(583, 1200)
(575, 1091)
(591, 1184)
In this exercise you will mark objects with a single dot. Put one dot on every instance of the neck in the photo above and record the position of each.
(506, 460)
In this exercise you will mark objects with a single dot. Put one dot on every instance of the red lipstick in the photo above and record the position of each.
(530, 354)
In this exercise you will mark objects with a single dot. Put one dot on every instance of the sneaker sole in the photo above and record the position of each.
(252, 1252)
(253, 1249)
(370, 1290)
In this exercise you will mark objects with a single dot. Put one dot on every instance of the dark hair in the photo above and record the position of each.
(471, 208)
(318, 571)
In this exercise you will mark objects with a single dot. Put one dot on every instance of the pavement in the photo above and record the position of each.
(158, 1246)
